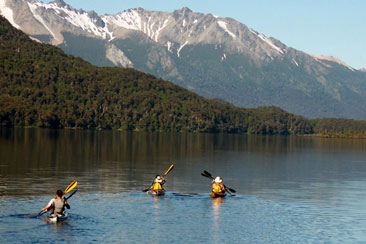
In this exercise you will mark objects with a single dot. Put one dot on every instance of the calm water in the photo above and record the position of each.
(289, 189)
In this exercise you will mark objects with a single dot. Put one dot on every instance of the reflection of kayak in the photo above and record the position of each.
(215, 195)
(55, 218)
(158, 192)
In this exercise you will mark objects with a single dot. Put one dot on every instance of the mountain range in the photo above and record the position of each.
(41, 86)
(212, 56)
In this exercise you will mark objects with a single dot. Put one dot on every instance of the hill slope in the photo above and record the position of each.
(42, 86)
(212, 56)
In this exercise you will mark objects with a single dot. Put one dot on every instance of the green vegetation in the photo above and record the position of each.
(41, 86)
(339, 128)
(348, 135)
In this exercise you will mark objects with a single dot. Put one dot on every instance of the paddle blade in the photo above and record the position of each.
(31, 215)
(170, 169)
(203, 174)
(208, 174)
(42, 212)
(71, 186)
(231, 189)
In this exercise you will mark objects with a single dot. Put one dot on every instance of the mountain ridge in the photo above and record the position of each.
(41, 86)
(213, 56)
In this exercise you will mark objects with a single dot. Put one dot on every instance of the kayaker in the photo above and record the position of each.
(217, 186)
(57, 205)
(158, 183)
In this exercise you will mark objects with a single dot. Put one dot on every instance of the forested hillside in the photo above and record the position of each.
(209, 55)
(332, 127)
(41, 86)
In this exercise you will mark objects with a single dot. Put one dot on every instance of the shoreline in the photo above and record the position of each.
(345, 135)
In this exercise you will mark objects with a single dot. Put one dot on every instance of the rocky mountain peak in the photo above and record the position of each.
(182, 12)
(60, 3)
(214, 56)
(96, 19)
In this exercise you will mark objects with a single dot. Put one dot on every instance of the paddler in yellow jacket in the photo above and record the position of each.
(217, 186)
(158, 183)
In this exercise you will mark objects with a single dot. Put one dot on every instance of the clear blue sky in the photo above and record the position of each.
(324, 27)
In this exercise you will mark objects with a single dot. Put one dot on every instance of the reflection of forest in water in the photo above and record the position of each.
(125, 159)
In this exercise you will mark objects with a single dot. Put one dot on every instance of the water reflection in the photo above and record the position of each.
(289, 189)
(113, 161)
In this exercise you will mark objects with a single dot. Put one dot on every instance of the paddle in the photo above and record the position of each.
(67, 190)
(71, 186)
(166, 172)
(66, 198)
(37, 214)
(208, 175)
(72, 193)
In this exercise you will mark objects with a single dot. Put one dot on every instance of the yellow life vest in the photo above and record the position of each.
(216, 188)
(157, 186)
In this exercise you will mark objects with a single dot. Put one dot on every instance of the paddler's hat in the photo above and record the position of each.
(218, 179)
(158, 179)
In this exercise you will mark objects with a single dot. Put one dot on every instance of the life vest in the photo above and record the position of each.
(217, 188)
(59, 206)
(157, 186)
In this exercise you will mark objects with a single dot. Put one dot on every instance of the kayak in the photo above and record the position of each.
(215, 195)
(55, 218)
(158, 193)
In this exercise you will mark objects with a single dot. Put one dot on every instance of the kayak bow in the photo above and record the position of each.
(216, 195)
(158, 193)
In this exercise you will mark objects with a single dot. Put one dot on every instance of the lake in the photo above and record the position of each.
(289, 189)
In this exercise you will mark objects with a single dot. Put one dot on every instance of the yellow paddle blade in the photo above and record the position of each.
(71, 186)
(170, 169)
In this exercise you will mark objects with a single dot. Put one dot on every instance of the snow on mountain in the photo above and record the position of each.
(87, 21)
(133, 20)
(33, 8)
(181, 47)
(7, 13)
(181, 28)
(173, 30)
(223, 25)
(213, 56)
(129, 19)
(267, 40)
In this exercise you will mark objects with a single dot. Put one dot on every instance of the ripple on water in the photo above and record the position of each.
(180, 218)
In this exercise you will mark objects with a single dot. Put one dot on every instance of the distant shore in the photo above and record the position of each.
(349, 135)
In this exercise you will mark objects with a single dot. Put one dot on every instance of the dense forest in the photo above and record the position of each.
(332, 127)
(41, 86)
